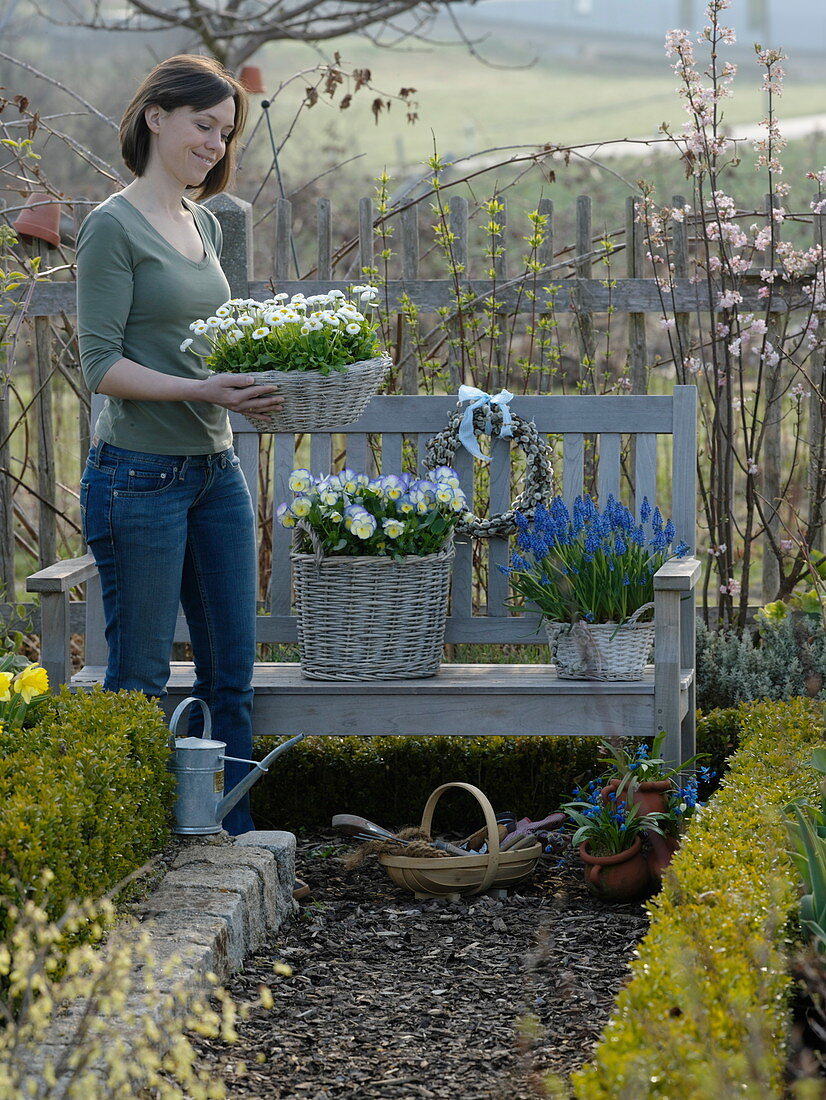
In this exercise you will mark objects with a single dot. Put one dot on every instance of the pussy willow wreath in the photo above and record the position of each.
(538, 488)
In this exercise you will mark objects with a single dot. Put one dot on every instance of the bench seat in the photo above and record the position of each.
(527, 699)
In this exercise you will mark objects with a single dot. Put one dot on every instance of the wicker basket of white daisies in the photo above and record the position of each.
(322, 350)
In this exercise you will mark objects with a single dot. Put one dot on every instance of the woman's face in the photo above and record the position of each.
(189, 141)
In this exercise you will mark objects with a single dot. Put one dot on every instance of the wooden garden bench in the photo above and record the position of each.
(478, 699)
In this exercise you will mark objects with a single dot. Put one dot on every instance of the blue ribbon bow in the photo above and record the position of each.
(479, 399)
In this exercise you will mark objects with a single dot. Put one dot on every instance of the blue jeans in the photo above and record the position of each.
(165, 529)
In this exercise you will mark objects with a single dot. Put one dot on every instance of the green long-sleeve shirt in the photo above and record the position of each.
(136, 297)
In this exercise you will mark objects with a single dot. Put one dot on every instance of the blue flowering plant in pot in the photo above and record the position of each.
(590, 574)
(609, 835)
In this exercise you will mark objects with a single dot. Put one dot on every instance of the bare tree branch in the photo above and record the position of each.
(232, 30)
(63, 88)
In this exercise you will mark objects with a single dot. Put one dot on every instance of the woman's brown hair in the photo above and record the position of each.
(183, 81)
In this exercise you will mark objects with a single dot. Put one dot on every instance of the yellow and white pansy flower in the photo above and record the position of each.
(300, 481)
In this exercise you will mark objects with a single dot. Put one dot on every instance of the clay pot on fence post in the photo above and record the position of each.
(39, 219)
(251, 80)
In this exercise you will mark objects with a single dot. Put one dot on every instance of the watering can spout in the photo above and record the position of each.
(261, 767)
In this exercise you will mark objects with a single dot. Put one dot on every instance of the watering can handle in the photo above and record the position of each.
(179, 710)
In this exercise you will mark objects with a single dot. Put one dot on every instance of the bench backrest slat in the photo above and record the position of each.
(501, 494)
(573, 466)
(321, 452)
(280, 587)
(392, 444)
(609, 466)
(645, 470)
(461, 598)
(357, 452)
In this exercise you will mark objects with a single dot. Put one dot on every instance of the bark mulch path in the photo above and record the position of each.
(391, 997)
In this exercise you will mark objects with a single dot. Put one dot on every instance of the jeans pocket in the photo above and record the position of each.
(96, 501)
(148, 479)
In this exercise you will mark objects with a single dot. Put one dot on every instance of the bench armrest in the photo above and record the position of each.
(54, 583)
(680, 574)
(63, 575)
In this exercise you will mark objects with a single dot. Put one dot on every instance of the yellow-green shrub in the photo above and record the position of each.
(85, 793)
(705, 1013)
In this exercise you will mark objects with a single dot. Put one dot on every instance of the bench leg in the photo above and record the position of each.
(55, 652)
(667, 672)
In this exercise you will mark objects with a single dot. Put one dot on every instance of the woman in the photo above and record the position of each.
(165, 508)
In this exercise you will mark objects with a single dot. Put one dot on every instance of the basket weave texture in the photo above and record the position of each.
(314, 401)
(371, 618)
(470, 874)
(601, 651)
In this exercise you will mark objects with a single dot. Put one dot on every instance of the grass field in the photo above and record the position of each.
(467, 107)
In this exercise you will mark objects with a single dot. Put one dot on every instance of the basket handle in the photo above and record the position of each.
(314, 540)
(638, 612)
(490, 822)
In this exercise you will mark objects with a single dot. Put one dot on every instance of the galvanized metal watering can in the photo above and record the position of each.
(198, 765)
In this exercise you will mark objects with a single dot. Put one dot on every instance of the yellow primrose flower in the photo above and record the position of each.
(31, 682)
(5, 682)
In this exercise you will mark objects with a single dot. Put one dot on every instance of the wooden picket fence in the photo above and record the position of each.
(586, 295)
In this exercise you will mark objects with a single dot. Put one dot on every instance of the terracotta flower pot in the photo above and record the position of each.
(39, 219)
(251, 80)
(651, 796)
(660, 851)
(623, 877)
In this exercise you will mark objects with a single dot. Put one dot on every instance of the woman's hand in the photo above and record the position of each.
(236, 392)
(240, 393)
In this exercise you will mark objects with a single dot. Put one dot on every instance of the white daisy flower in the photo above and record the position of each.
(244, 320)
(223, 311)
(199, 327)
(353, 328)
(260, 333)
(187, 343)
